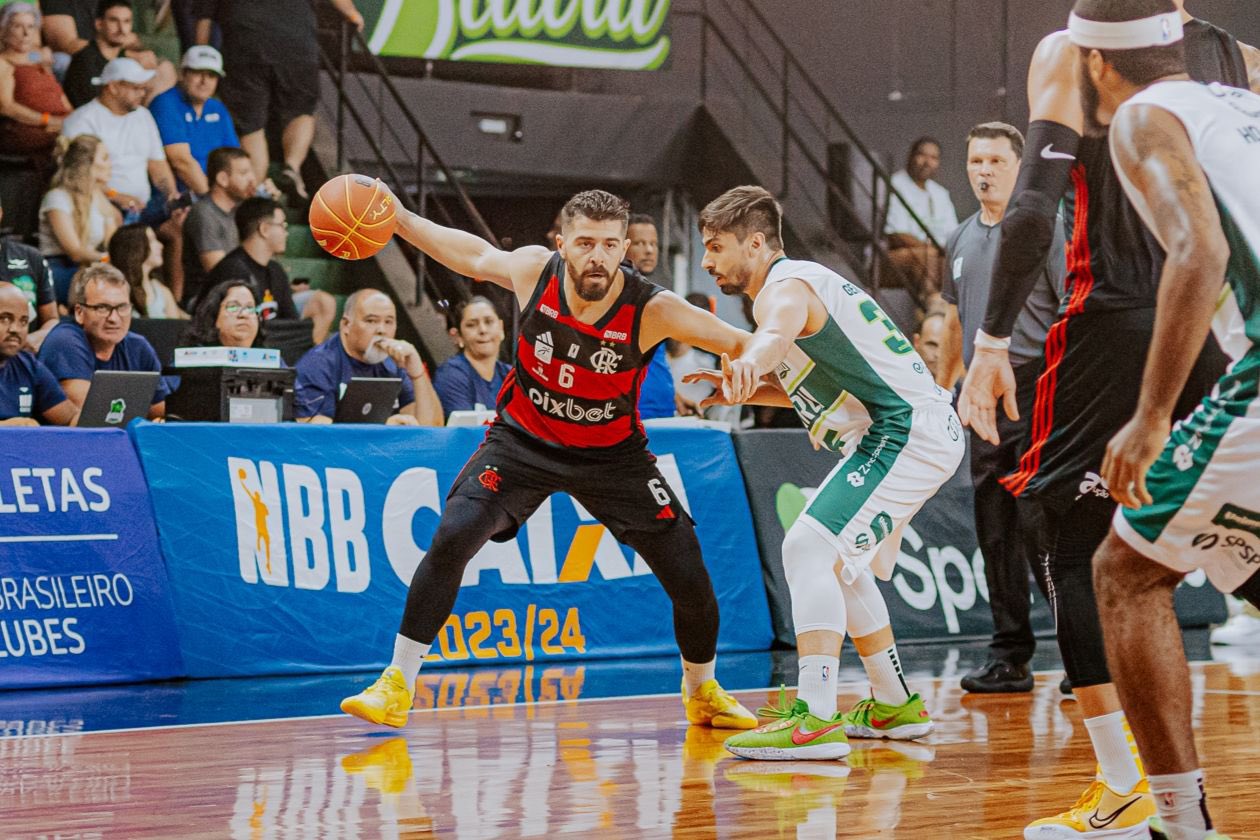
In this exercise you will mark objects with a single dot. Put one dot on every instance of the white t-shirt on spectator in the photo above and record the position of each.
(932, 204)
(59, 199)
(132, 140)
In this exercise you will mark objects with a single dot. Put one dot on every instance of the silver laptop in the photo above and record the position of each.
(116, 397)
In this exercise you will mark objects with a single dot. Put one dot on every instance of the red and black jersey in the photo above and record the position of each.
(575, 384)
(1113, 261)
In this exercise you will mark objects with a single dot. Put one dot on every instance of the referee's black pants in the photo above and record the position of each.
(1009, 545)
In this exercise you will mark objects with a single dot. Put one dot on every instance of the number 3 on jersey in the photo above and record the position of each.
(896, 340)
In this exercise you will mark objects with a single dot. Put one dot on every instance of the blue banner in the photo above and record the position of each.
(83, 592)
(289, 550)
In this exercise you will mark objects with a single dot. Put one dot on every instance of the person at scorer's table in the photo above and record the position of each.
(365, 346)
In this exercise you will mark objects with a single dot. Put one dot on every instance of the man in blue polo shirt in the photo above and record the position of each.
(28, 390)
(100, 338)
(365, 347)
(191, 121)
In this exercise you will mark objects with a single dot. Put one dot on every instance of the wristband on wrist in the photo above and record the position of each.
(984, 341)
(45, 118)
(111, 193)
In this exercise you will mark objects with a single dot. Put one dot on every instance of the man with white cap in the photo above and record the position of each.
(191, 121)
(128, 131)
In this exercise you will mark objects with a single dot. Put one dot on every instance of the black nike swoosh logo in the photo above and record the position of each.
(1095, 822)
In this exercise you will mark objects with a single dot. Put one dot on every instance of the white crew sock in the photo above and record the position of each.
(883, 669)
(1117, 753)
(697, 674)
(816, 684)
(408, 654)
(1182, 805)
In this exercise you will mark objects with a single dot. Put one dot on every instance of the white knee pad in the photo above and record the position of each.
(864, 604)
(809, 566)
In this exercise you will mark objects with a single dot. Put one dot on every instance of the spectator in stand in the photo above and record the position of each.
(76, 220)
(918, 261)
(470, 380)
(32, 104)
(24, 268)
(210, 231)
(100, 337)
(227, 317)
(28, 390)
(191, 121)
(264, 233)
(112, 37)
(272, 59)
(127, 128)
(136, 251)
(657, 397)
(365, 346)
(929, 339)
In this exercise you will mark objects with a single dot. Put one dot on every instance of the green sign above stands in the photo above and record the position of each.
(602, 34)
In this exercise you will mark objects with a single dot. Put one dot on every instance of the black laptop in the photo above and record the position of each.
(116, 397)
(368, 400)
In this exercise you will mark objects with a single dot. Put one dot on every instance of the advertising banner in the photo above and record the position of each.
(938, 590)
(600, 34)
(290, 549)
(83, 591)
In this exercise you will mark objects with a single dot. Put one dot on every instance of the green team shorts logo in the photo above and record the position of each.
(1238, 519)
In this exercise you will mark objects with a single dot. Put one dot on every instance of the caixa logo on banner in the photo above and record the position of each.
(306, 528)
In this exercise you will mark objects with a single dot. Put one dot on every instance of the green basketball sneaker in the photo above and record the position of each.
(873, 719)
(793, 735)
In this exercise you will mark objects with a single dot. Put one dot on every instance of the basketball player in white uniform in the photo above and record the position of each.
(824, 347)
(1188, 156)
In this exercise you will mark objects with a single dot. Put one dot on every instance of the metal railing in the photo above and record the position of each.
(744, 37)
(354, 64)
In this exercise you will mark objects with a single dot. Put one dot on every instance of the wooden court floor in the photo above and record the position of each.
(606, 768)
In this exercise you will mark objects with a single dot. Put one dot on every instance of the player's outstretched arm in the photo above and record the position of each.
(1156, 162)
(667, 315)
(781, 317)
(470, 255)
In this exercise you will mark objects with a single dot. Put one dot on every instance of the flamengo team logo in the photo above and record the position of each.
(605, 360)
(308, 528)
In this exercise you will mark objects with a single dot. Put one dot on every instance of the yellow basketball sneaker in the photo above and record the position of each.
(386, 701)
(712, 706)
(1100, 813)
(385, 767)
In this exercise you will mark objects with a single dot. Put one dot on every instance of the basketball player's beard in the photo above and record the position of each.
(737, 282)
(587, 284)
(1090, 101)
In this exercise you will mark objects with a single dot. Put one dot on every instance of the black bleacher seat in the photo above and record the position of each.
(163, 333)
(291, 337)
(23, 182)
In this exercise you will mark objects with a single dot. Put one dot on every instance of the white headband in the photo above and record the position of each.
(1157, 31)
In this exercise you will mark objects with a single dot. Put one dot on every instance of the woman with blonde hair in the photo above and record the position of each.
(76, 219)
(32, 104)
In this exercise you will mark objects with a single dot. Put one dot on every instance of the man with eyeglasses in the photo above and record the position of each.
(264, 234)
(28, 390)
(100, 338)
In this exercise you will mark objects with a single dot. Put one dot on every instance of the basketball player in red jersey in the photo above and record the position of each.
(568, 422)
(1094, 359)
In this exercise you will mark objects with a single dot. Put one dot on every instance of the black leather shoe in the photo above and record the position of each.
(1065, 688)
(998, 677)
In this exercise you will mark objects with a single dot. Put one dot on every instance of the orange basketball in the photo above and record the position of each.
(352, 217)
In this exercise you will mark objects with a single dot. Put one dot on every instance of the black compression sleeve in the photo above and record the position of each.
(1028, 226)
